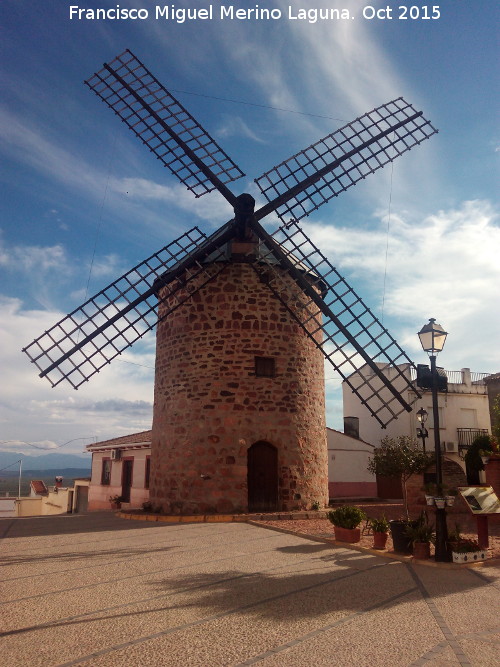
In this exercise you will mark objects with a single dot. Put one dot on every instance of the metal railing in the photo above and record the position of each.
(466, 436)
(456, 377)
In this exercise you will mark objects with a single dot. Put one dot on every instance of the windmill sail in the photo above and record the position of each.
(335, 317)
(164, 125)
(331, 313)
(301, 184)
(87, 339)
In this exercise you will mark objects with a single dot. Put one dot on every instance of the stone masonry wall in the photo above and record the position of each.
(210, 407)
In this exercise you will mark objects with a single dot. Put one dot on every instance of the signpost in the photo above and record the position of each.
(481, 501)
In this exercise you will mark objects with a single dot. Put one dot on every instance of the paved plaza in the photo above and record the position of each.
(98, 590)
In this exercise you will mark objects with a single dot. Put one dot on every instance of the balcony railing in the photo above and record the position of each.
(466, 436)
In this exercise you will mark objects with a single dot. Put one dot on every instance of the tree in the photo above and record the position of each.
(399, 457)
(495, 414)
(482, 443)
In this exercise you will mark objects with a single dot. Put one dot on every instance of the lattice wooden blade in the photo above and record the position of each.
(350, 337)
(91, 336)
(304, 182)
(164, 126)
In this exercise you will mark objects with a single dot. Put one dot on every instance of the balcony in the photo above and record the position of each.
(462, 382)
(466, 437)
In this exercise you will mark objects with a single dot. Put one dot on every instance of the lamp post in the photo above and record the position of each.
(432, 338)
(422, 432)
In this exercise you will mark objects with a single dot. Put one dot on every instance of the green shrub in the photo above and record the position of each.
(421, 531)
(379, 525)
(346, 516)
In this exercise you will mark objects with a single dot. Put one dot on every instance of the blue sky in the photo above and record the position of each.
(419, 240)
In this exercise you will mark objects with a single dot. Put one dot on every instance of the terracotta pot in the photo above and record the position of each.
(350, 535)
(379, 540)
(116, 506)
(421, 550)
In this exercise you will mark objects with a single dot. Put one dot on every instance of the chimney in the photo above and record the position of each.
(58, 481)
(351, 427)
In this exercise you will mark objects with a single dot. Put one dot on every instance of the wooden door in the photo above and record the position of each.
(127, 471)
(82, 498)
(262, 477)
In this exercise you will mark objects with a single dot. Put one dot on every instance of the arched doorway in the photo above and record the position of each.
(262, 477)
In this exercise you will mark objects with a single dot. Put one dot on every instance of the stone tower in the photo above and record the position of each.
(239, 410)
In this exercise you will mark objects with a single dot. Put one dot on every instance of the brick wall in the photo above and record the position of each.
(210, 407)
(453, 476)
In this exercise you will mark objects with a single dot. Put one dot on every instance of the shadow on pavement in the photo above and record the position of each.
(69, 524)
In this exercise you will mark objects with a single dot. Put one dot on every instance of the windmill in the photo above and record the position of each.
(245, 318)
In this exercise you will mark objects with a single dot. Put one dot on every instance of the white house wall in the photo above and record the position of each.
(464, 406)
(348, 458)
(99, 494)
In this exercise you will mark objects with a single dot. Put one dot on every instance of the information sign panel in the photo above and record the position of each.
(480, 499)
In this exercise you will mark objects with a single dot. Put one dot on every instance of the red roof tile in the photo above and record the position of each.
(133, 438)
(39, 487)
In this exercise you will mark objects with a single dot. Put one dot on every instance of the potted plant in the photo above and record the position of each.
(467, 551)
(399, 457)
(380, 529)
(464, 550)
(421, 535)
(346, 520)
(430, 493)
(116, 502)
(147, 506)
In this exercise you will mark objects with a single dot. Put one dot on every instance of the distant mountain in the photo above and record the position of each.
(47, 461)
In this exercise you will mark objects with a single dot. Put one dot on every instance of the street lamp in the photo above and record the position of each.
(432, 338)
(422, 432)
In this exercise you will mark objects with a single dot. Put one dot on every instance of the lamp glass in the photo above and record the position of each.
(432, 337)
(422, 415)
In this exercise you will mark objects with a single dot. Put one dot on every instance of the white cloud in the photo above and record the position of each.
(211, 207)
(27, 259)
(117, 401)
(445, 267)
(236, 126)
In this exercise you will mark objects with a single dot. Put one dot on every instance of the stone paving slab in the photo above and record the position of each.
(100, 591)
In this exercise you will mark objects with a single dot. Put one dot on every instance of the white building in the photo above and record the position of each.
(463, 412)
(348, 459)
(120, 467)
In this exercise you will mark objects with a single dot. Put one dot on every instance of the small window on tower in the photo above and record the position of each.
(265, 367)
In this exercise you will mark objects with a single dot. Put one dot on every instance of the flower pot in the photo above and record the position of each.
(450, 500)
(116, 506)
(429, 500)
(400, 539)
(469, 556)
(350, 535)
(440, 503)
(421, 550)
(379, 540)
(485, 459)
